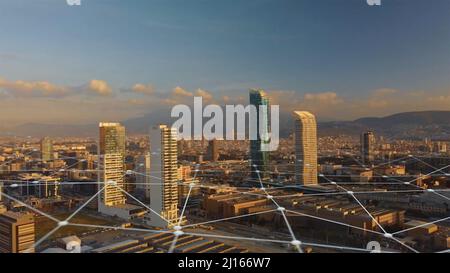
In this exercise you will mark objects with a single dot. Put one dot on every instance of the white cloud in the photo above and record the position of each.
(146, 89)
(21, 88)
(100, 87)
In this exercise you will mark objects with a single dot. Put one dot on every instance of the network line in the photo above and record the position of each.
(280, 209)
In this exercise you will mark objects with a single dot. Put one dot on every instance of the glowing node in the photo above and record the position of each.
(388, 235)
(63, 223)
(430, 190)
(281, 209)
(14, 185)
(177, 227)
(178, 233)
(111, 182)
(269, 196)
(349, 192)
(129, 172)
(296, 243)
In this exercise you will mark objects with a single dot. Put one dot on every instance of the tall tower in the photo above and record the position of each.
(111, 154)
(213, 150)
(259, 158)
(164, 169)
(305, 148)
(17, 232)
(46, 149)
(367, 147)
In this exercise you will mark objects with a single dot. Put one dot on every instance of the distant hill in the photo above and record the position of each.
(435, 124)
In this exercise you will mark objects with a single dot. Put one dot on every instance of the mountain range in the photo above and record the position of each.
(408, 125)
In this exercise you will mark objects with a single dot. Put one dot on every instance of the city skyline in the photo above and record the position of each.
(224, 127)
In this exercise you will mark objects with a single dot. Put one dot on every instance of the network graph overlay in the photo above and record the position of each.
(280, 239)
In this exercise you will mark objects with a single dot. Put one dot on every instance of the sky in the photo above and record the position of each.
(117, 59)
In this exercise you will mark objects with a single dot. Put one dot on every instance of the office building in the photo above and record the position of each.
(112, 201)
(259, 159)
(213, 150)
(305, 148)
(367, 147)
(164, 169)
(17, 232)
(46, 149)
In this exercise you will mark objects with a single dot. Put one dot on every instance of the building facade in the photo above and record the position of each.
(17, 232)
(259, 159)
(46, 149)
(111, 154)
(367, 147)
(305, 148)
(164, 170)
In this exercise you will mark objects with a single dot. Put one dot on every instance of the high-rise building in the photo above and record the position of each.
(259, 159)
(367, 147)
(143, 174)
(305, 148)
(164, 170)
(17, 232)
(46, 149)
(213, 150)
(111, 155)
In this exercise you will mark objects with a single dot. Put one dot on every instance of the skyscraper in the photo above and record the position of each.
(164, 170)
(17, 232)
(213, 150)
(305, 148)
(259, 159)
(111, 155)
(46, 149)
(367, 147)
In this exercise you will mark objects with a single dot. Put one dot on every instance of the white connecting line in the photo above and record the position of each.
(178, 228)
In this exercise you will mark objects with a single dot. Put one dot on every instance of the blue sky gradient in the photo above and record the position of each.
(304, 46)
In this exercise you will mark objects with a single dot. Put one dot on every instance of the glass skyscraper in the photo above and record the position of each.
(259, 159)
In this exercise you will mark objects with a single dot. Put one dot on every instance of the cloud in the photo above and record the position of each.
(178, 91)
(21, 88)
(100, 87)
(143, 89)
(207, 96)
(326, 98)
